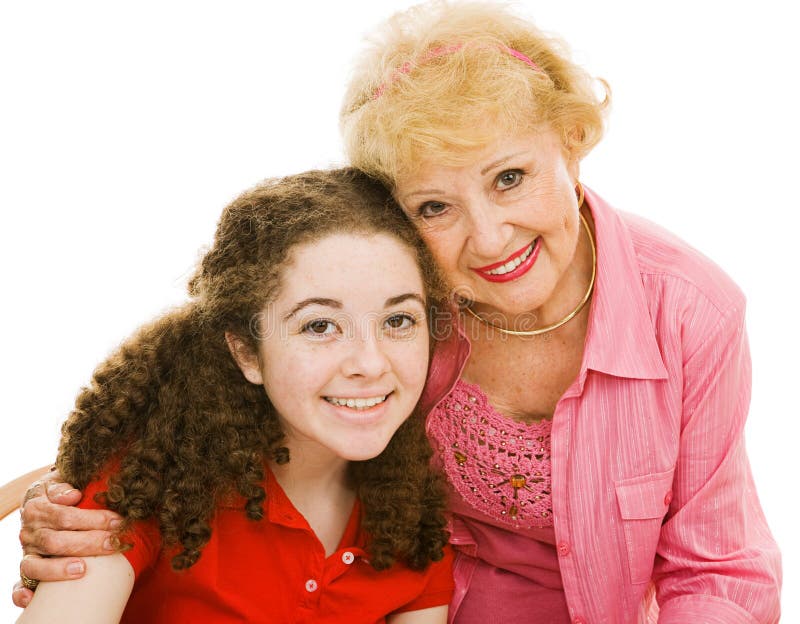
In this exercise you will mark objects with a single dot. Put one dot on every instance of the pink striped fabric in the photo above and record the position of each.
(656, 516)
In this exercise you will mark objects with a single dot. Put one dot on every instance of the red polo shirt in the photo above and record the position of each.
(274, 570)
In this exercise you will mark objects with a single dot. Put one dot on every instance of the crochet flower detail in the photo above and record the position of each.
(498, 465)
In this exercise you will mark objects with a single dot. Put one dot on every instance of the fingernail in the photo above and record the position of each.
(107, 545)
(65, 492)
(76, 567)
(114, 524)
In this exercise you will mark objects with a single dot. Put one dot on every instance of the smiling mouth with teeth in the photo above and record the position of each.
(512, 264)
(519, 264)
(358, 404)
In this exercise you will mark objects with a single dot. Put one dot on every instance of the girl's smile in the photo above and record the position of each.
(344, 346)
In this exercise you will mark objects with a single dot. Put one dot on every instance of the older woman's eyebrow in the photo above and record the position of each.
(424, 192)
(501, 161)
(393, 301)
(331, 303)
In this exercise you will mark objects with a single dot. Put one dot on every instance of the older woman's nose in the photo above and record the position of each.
(489, 233)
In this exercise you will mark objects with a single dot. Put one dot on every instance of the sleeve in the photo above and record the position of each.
(142, 539)
(439, 585)
(717, 561)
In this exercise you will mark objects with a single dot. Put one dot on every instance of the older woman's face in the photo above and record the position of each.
(503, 227)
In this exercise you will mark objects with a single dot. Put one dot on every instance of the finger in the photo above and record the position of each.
(21, 596)
(40, 513)
(52, 569)
(62, 493)
(67, 544)
(34, 490)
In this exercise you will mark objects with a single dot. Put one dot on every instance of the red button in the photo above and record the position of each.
(578, 620)
(668, 498)
(563, 548)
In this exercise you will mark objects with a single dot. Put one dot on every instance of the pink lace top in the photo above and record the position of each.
(499, 466)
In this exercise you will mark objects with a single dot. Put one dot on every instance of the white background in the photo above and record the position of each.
(125, 128)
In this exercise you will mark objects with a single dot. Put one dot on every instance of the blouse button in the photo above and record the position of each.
(563, 548)
(668, 498)
(311, 586)
(348, 557)
(578, 620)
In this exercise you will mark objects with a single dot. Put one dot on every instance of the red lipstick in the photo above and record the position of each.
(515, 273)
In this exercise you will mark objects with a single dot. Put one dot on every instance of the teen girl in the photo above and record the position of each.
(261, 442)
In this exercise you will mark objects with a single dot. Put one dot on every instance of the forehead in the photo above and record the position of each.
(353, 268)
(541, 144)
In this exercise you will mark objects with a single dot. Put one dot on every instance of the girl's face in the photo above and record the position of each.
(504, 227)
(343, 351)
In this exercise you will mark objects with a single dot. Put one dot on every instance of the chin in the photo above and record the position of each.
(356, 451)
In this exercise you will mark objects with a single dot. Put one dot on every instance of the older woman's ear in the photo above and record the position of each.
(245, 358)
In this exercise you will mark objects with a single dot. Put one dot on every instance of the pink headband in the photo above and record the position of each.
(436, 52)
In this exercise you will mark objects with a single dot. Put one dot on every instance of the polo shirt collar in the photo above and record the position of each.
(620, 338)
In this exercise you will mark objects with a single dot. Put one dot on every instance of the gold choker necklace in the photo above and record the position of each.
(568, 317)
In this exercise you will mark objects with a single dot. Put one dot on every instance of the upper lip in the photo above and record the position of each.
(494, 265)
(360, 395)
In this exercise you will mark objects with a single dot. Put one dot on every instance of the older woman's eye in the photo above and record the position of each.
(508, 179)
(431, 209)
(319, 327)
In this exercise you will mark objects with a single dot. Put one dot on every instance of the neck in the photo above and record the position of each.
(311, 475)
(316, 484)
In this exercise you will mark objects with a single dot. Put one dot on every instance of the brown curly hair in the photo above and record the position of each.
(182, 428)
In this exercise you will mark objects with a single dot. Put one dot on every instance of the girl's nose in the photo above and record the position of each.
(366, 356)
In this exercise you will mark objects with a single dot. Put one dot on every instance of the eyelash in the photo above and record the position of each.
(518, 172)
(421, 211)
(307, 328)
(405, 317)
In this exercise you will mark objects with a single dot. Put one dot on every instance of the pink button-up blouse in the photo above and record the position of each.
(655, 514)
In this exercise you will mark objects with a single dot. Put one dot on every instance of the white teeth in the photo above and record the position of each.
(356, 403)
(512, 264)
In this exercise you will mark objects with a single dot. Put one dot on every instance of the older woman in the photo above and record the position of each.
(588, 399)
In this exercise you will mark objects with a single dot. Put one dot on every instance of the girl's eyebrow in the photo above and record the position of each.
(392, 301)
(331, 303)
(335, 303)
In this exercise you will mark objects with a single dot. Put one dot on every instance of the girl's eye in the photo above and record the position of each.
(319, 327)
(431, 209)
(508, 179)
(401, 321)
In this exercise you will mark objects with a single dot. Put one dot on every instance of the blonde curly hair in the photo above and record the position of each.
(408, 102)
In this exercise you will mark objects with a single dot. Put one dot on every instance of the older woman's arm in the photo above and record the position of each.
(717, 561)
